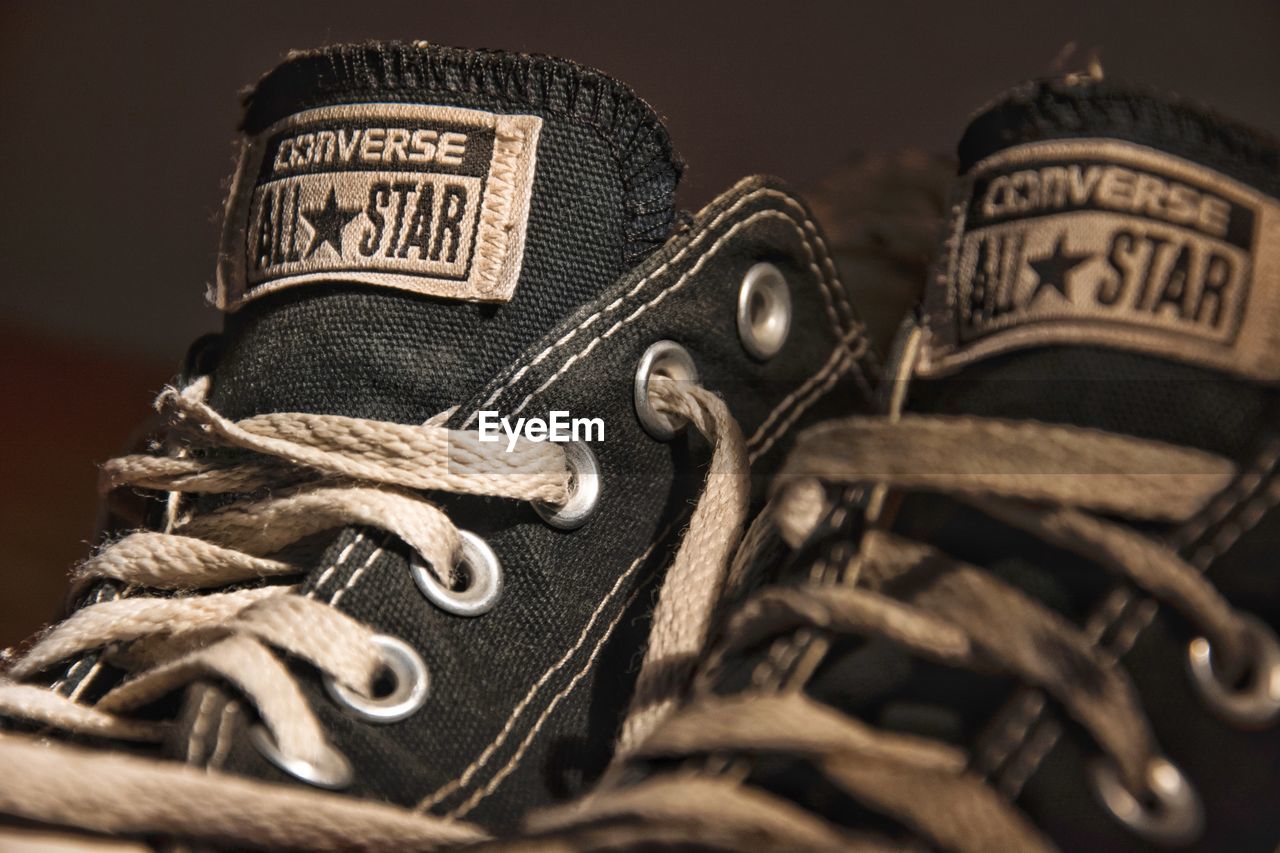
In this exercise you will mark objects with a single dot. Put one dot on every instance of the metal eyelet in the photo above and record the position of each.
(1255, 704)
(1171, 814)
(584, 490)
(665, 358)
(764, 311)
(332, 773)
(484, 582)
(412, 683)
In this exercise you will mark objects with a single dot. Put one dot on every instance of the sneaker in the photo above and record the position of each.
(354, 574)
(1034, 605)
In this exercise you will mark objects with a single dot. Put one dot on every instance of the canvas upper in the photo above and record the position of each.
(999, 616)
(416, 234)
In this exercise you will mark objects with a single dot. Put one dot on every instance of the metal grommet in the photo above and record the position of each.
(764, 311)
(406, 696)
(333, 772)
(584, 490)
(1254, 704)
(484, 579)
(1170, 813)
(664, 358)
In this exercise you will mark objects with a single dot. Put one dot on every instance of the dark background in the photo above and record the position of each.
(117, 122)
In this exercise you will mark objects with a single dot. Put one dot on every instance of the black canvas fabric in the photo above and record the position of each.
(1096, 386)
(1236, 772)
(572, 621)
(525, 700)
(603, 198)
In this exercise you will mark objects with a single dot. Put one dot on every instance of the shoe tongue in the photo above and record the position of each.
(406, 219)
(1112, 260)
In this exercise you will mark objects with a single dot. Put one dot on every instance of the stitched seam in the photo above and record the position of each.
(661, 269)
(659, 297)
(830, 364)
(480, 795)
(222, 745)
(1248, 516)
(1144, 616)
(88, 677)
(97, 660)
(613, 306)
(1040, 738)
(1008, 733)
(844, 365)
(197, 735)
(796, 645)
(620, 120)
(195, 743)
(1222, 505)
(463, 779)
(357, 574)
(338, 562)
(824, 287)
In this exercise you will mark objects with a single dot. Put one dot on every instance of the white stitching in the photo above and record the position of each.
(518, 755)
(222, 746)
(684, 279)
(97, 663)
(1008, 734)
(342, 558)
(827, 287)
(845, 364)
(827, 290)
(1250, 514)
(1010, 730)
(463, 779)
(843, 357)
(1038, 743)
(1224, 504)
(830, 364)
(355, 576)
(1127, 633)
(195, 743)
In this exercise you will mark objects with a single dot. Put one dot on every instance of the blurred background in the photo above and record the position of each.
(118, 117)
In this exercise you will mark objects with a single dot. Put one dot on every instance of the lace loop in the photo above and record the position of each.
(682, 617)
(289, 477)
(1061, 484)
(320, 473)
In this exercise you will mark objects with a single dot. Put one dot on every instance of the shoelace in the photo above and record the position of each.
(305, 474)
(1054, 482)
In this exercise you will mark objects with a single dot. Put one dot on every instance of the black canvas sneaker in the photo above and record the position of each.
(1035, 604)
(365, 568)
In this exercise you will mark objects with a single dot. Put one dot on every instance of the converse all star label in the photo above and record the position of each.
(1109, 243)
(428, 199)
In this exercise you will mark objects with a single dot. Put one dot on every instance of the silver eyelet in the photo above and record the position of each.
(484, 586)
(764, 311)
(665, 358)
(1173, 815)
(332, 773)
(412, 683)
(584, 490)
(1252, 705)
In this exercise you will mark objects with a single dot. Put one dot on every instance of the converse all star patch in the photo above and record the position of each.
(428, 199)
(1109, 243)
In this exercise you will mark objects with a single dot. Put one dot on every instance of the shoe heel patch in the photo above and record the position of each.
(428, 199)
(1107, 243)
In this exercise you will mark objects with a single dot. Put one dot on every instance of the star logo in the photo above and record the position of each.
(328, 223)
(1051, 270)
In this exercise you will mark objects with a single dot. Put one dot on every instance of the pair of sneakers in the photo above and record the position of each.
(1014, 589)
